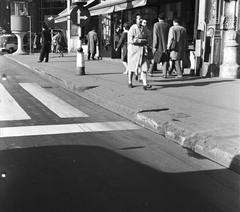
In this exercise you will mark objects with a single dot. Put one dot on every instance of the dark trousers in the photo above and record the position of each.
(44, 52)
(153, 67)
(89, 55)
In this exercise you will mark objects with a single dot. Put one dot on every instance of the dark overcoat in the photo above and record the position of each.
(179, 34)
(160, 36)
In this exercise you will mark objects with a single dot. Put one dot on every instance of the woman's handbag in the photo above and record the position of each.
(148, 53)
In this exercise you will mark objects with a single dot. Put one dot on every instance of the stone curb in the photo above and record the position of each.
(196, 142)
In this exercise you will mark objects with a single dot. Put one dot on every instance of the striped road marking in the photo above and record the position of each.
(56, 105)
(66, 129)
(9, 108)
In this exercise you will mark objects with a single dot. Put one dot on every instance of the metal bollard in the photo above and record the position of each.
(80, 69)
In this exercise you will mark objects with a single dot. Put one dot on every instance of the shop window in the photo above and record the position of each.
(106, 31)
(19, 8)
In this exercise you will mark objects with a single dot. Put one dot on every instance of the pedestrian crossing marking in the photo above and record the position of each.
(66, 129)
(9, 108)
(55, 104)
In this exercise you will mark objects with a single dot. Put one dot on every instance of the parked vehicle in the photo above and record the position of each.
(8, 43)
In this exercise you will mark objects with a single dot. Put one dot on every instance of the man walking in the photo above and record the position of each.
(160, 36)
(46, 42)
(177, 45)
(92, 43)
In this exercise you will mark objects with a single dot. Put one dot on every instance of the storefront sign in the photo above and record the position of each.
(80, 16)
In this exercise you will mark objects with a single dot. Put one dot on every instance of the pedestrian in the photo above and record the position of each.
(177, 45)
(46, 42)
(54, 43)
(61, 44)
(160, 36)
(124, 45)
(92, 43)
(35, 43)
(137, 62)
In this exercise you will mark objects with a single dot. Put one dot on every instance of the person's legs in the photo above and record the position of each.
(153, 67)
(178, 69)
(164, 69)
(172, 67)
(130, 75)
(89, 54)
(46, 53)
(42, 53)
(125, 65)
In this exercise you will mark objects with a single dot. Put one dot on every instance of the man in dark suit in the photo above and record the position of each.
(178, 52)
(46, 42)
(160, 37)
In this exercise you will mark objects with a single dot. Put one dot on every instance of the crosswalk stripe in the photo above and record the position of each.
(55, 104)
(66, 128)
(9, 108)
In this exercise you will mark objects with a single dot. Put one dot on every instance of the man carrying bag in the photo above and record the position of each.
(160, 36)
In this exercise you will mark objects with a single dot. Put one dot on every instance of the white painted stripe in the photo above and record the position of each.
(66, 129)
(55, 104)
(9, 108)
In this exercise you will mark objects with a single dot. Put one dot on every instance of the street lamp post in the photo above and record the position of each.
(30, 37)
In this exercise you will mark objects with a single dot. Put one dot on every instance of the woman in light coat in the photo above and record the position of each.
(137, 62)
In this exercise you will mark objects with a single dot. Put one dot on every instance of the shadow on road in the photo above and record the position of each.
(91, 178)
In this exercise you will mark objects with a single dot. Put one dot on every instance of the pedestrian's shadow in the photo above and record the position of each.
(185, 82)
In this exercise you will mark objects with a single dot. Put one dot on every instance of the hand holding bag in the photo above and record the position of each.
(157, 56)
(148, 53)
(173, 45)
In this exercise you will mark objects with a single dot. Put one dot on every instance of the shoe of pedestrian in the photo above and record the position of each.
(165, 77)
(150, 74)
(145, 87)
(136, 77)
(39, 61)
(130, 85)
(125, 72)
(179, 76)
(46, 61)
(93, 58)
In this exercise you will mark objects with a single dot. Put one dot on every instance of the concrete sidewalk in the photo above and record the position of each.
(202, 114)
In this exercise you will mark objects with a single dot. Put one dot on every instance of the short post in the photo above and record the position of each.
(80, 16)
(80, 69)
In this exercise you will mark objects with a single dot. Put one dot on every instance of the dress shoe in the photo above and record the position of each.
(39, 61)
(179, 77)
(145, 87)
(165, 77)
(130, 85)
(150, 74)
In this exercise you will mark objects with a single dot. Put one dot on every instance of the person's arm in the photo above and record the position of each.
(120, 43)
(155, 39)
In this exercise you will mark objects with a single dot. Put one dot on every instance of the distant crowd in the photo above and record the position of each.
(142, 48)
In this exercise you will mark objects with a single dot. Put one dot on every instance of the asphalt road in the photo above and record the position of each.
(47, 166)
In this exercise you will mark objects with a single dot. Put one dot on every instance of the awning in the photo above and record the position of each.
(109, 6)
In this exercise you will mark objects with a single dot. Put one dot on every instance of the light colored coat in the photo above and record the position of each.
(92, 42)
(179, 34)
(137, 38)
